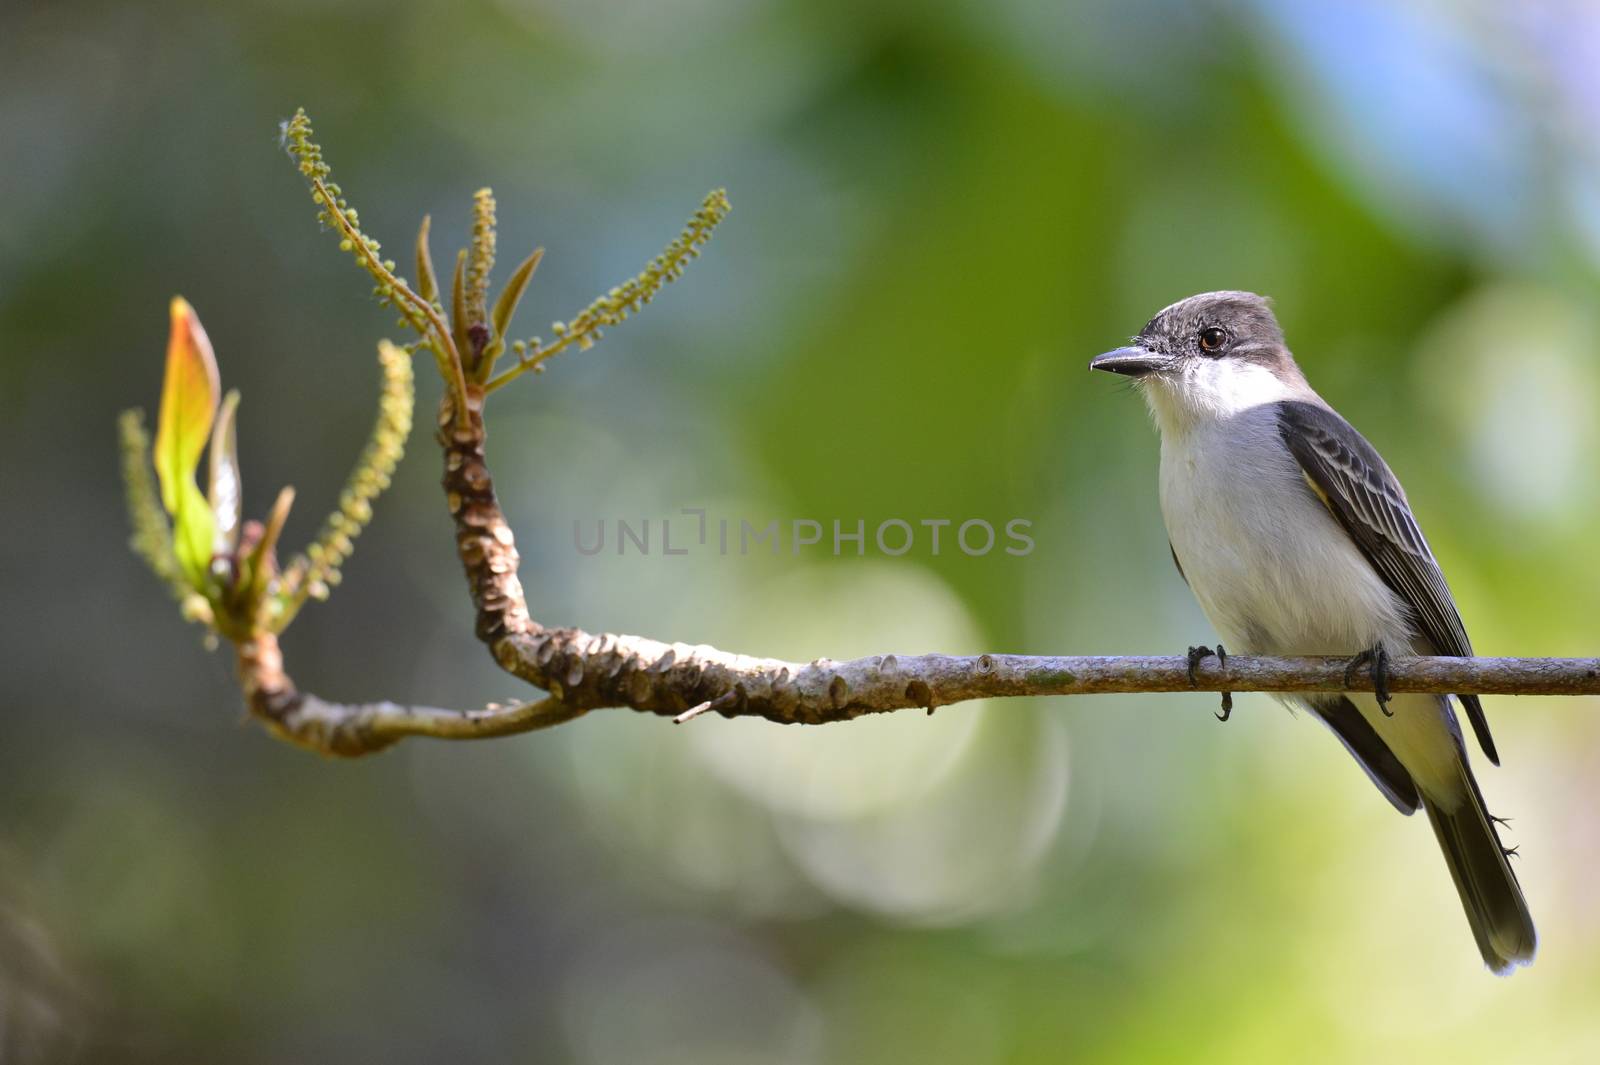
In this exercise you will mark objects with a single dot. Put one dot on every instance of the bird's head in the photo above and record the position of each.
(1209, 356)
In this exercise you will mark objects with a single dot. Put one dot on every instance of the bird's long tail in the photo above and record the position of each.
(1489, 890)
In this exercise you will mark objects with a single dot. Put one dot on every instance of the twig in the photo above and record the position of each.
(350, 729)
(725, 699)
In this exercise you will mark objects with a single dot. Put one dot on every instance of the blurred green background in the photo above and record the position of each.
(941, 212)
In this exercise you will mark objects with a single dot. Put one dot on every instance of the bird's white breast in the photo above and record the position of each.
(1270, 566)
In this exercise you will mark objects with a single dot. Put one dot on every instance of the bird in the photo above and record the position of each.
(1297, 539)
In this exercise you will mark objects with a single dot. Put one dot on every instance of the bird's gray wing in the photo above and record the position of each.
(1357, 487)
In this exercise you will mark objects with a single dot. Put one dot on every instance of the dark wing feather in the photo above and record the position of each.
(1362, 741)
(1359, 490)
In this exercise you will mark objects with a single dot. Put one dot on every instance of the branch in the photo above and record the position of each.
(350, 729)
(584, 671)
(825, 691)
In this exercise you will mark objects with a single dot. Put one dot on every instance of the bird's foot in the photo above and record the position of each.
(1377, 659)
(1200, 654)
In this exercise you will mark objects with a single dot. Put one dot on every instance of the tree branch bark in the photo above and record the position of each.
(583, 671)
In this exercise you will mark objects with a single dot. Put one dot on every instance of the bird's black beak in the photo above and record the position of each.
(1130, 362)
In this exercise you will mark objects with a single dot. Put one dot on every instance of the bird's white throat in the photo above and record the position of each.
(1209, 390)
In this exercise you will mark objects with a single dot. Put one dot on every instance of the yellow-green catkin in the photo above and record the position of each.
(315, 573)
(152, 536)
(613, 307)
(480, 257)
(335, 212)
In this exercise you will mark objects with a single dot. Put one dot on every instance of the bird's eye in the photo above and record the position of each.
(1212, 339)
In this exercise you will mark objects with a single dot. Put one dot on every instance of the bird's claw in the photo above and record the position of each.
(1354, 664)
(1377, 659)
(1200, 654)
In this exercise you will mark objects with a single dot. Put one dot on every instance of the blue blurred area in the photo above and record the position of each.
(941, 212)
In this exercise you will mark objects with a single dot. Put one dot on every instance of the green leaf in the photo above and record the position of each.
(506, 305)
(262, 563)
(189, 397)
(427, 282)
(458, 303)
(226, 490)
